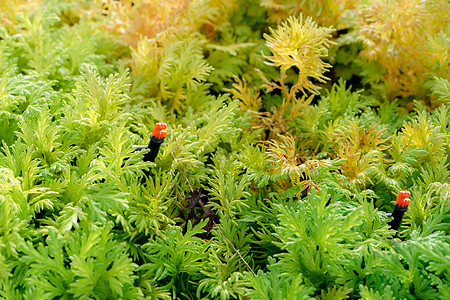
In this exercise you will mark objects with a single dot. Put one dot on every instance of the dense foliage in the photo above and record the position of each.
(293, 125)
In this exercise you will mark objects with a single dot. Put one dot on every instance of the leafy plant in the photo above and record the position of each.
(301, 44)
(407, 58)
(282, 158)
(325, 12)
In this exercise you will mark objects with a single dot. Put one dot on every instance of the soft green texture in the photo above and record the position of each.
(83, 217)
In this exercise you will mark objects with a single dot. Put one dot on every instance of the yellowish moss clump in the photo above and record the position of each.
(10, 8)
(325, 12)
(133, 19)
(301, 44)
(409, 38)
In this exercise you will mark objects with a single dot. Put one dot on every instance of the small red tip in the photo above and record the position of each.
(402, 199)
(158, 131)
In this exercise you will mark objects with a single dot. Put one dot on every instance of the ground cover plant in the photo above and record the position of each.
(292, 127)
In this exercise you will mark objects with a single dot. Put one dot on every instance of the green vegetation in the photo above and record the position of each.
(293, 125)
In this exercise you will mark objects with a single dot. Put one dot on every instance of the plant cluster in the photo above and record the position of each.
(292, 126)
